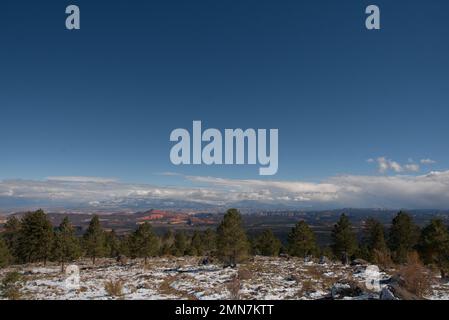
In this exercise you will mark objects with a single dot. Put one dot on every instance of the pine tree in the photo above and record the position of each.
(434, 246)
(145, 242)
(302, 241)
(344, 239)
(5, 256)
(404, 236)
(66, 247)
(94, 240)
(209, 239)
(266, 244)
(374, 239)
(11, 235)
(181, 245)
(125, 246)
(168, 240)
(112, 244)
(35, 241)
(196, 244)
(232, 242)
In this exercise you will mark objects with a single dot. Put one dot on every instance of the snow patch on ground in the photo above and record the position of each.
(183, 278)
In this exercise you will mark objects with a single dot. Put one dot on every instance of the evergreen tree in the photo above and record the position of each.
(125, 246)
(209, 239)
(66, 247)
(196, 244)
(94, 239)
(266, 244)
(5, 257)
(145, 242)
(434, 246)
(11, 235)
(344, 239)
(168, 241)
(404, 236)
(232, 242)
(35, 240)
(181, 244)
(374, 239)
(112, 244)
(302, 241)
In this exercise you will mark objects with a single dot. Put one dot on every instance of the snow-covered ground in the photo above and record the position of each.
(183, 278)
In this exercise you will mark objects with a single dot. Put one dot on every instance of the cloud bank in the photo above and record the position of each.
(384, 165)
(430, 190)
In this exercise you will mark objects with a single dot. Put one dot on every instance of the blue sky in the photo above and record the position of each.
(102, 101)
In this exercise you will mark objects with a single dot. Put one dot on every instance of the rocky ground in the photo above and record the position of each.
(183, 278)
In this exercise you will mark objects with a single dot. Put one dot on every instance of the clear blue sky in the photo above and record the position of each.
(102, 101)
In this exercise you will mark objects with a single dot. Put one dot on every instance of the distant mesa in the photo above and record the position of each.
(173, 218)
(154, 215)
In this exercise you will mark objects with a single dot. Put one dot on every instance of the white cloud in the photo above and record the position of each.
(81, 179)
(396, 167)
(424, 191)
(384, 165)
(168, 174)
(427, 161)
(412, 167)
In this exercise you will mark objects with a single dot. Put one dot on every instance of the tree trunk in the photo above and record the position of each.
(345, 258)
(146, 260)
(93, 260)
(62, 266)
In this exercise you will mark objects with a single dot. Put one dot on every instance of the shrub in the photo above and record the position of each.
(114, 288)
(234, 288)
(10, 286)
(416, 278)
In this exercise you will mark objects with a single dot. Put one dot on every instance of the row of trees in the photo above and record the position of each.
(376, 244)
(33, 238)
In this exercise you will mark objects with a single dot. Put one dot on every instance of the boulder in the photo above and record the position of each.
(324, 260)
(395, 290)
(344, 289)
(386, 294)
(400, 293)
(359, 262)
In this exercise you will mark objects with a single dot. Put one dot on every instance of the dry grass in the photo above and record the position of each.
(383, 259)
(83, 289)
(166, 288)
(307, 286)
(114, 288)
(245, 274)
(314, 272)
(416, 278)
(233, 287)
